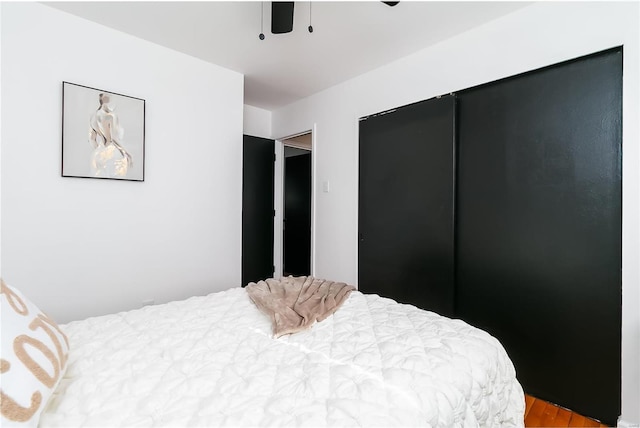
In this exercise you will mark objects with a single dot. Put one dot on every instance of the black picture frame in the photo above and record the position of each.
(103, 134)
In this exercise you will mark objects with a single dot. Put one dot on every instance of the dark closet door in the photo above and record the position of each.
(297, 215)
(257, 209)
(405, 210)
(539, 227)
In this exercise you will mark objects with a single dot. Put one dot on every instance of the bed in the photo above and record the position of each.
(213, 361)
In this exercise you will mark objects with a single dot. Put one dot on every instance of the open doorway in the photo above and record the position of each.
(296, 224)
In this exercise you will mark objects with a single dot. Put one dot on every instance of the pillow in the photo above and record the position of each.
(32, 361)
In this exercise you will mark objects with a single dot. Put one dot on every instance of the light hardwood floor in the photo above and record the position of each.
(540, 413)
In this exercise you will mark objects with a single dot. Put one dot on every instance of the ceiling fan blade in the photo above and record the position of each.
(281, 17)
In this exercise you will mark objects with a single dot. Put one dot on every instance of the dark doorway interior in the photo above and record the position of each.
(297, 212)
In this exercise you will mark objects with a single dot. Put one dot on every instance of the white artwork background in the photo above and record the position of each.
(80, 103)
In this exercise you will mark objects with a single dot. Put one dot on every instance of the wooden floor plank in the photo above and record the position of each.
(528, 400)
(563, 417)
(549, 417)
(536, 413)
(576, 420)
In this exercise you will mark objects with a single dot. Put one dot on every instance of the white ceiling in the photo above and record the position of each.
(349, 38)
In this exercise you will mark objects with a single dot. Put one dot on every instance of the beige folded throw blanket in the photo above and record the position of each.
(295, 303)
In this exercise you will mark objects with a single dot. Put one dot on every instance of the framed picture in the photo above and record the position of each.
(102, 134)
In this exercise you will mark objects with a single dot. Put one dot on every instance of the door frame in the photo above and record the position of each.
(278, 203)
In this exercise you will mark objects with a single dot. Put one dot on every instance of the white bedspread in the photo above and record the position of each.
(211, 361)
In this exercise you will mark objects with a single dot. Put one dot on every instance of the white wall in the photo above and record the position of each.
(0, 146)
(81, 247)
(535, 36)
(257, 121)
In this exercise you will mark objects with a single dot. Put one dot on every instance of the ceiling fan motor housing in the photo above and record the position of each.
(281, 17)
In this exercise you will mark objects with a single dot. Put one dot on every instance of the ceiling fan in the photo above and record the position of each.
(282, 16)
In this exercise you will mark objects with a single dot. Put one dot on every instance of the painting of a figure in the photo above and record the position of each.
(94, 141)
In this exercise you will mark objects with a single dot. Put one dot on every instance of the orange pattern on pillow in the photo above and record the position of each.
(34, 358)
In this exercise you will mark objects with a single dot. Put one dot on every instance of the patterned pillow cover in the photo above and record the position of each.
(33, 358)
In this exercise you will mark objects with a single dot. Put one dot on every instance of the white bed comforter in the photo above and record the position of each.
(211, 361)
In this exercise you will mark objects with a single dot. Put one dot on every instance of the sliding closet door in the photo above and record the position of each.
(406, 204)
(539, 227)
